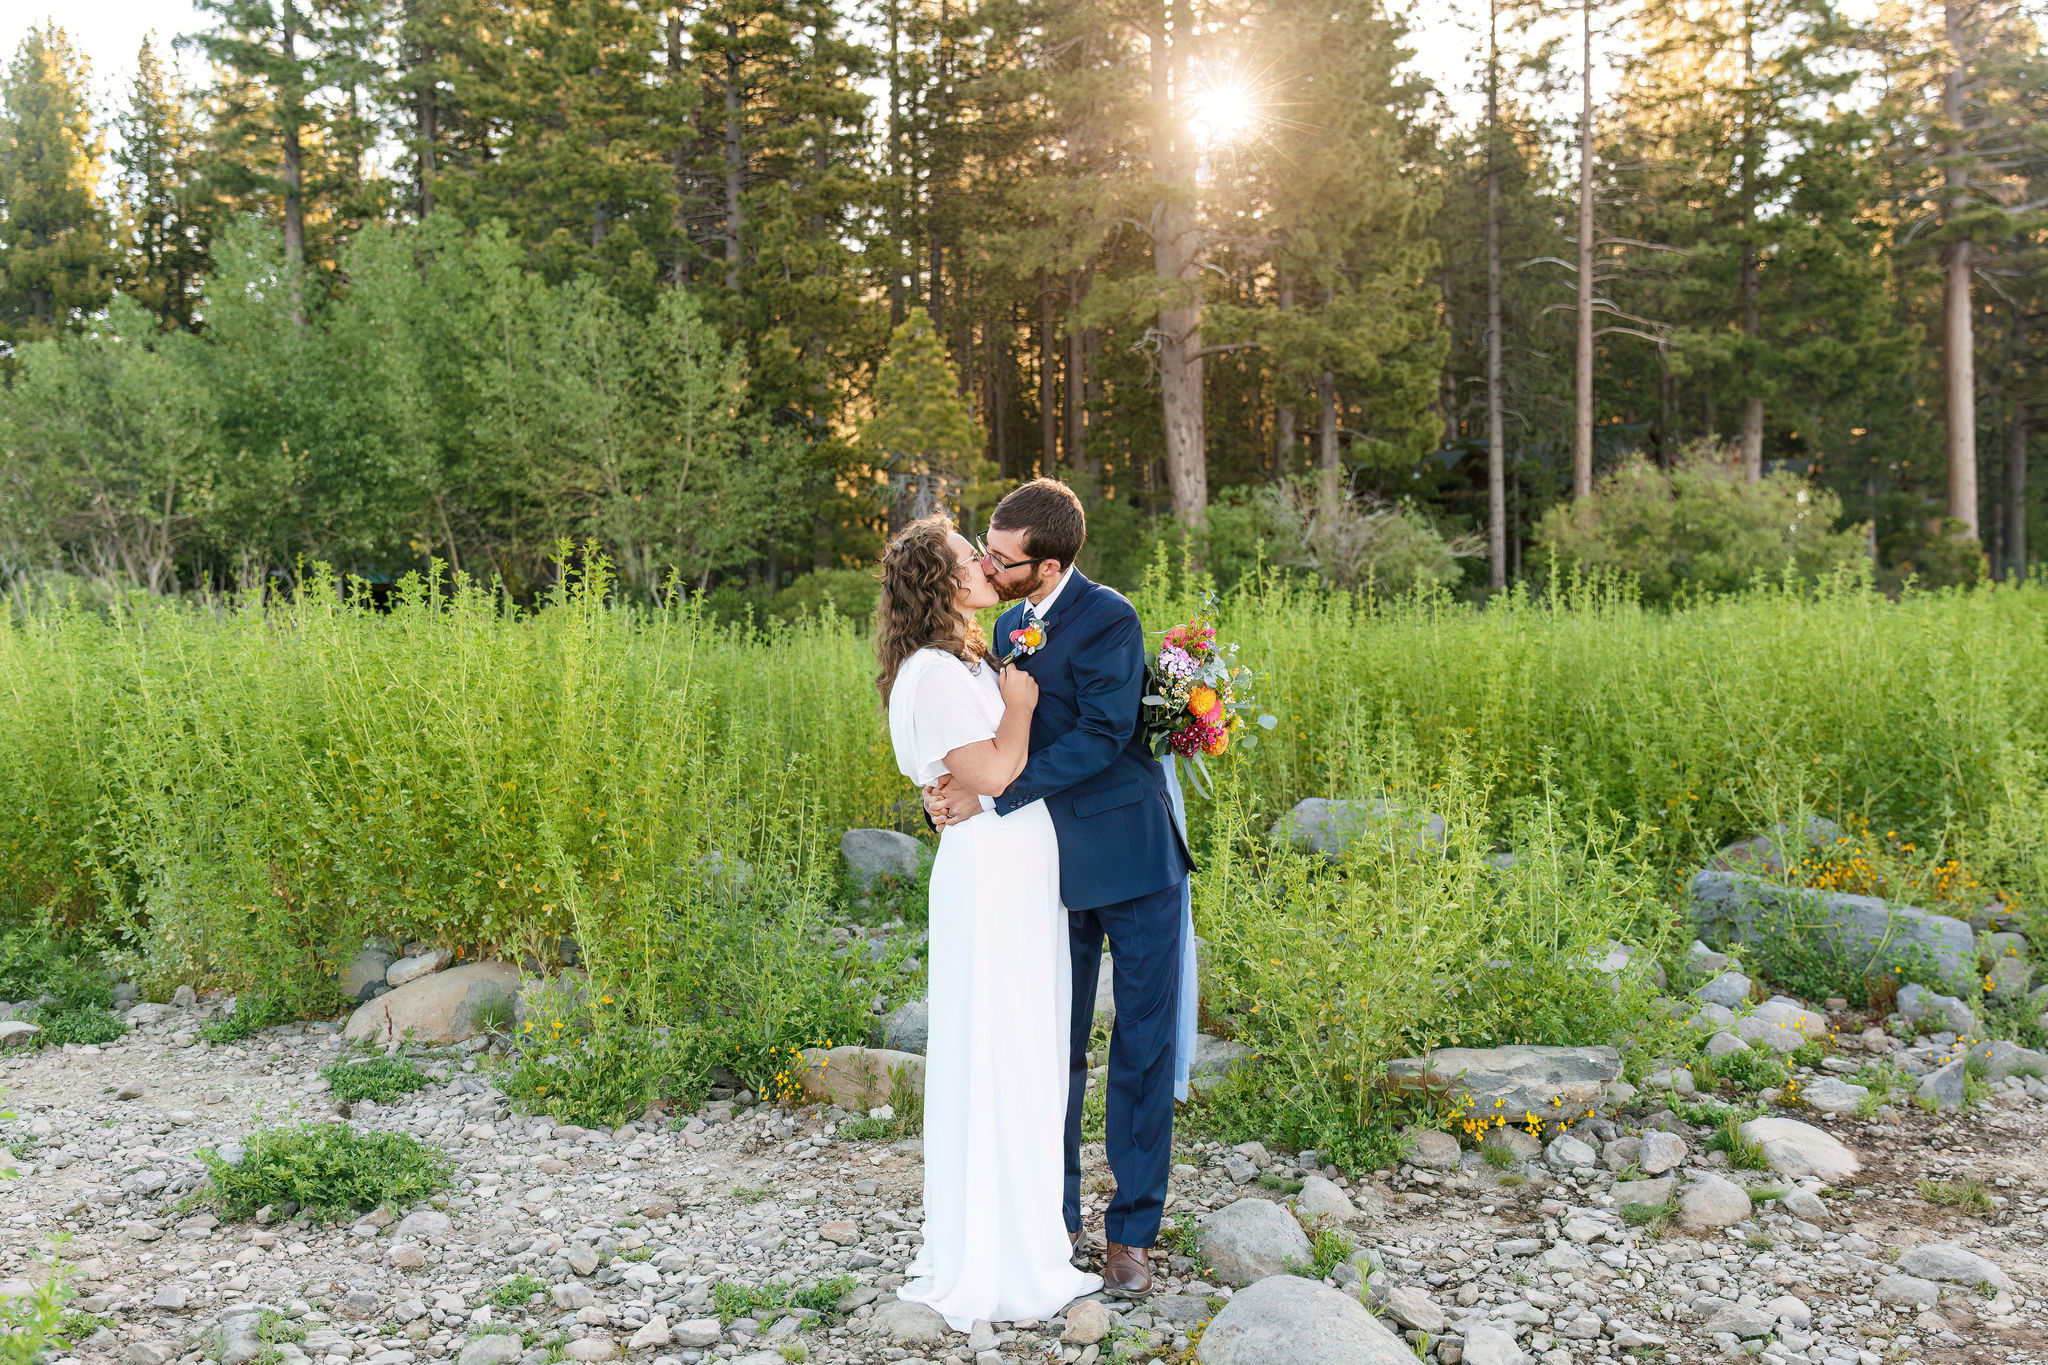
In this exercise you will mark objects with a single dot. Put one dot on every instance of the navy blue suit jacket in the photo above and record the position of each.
(1089, 761)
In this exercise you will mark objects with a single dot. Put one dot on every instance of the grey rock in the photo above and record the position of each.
(499, 1348)
(1742, 1321)
(409, 969)
(16, 1033)
(1287, 1320)
(1832, 1095)
(1087, 1323)
(1727, 990)
(1918, 1004)
(1520, 1144)
(1322, 1198)
(1781, 1026)
(1711, 1202)
(1907, 1291)
(1799, 1150)
(441, 1007)
(1516, 1080)
(148, 1013)
(1661, 1152)
(1489, 1344)
(184, 998)
(421, 1224)
(365, 972)
(1432, 1147)
(582, 1258)
(1730, 904)
(1411, 1307)
(1951, 1264)
(696, 1333)
(1214, 1059)
(1328, 827)
(908, 1026)
(1567, 1153)
(1250, 1239)
(1650, 1192)
(2002, 1059)
(1621, 1153)
(1944, 1085)
(858, 1077)
(147, 1353)
(1993, 915)
(910, 1324)
(875, 854)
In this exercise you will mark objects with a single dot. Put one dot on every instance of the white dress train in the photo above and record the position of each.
(995, 1101)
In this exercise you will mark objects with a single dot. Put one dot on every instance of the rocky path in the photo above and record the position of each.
(625, 1235)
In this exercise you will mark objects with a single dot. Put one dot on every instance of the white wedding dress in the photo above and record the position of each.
(995, 1099)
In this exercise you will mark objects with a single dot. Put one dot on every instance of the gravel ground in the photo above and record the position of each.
(629, 1230)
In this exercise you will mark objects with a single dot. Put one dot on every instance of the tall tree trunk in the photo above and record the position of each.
(897, 229)
(425, 120)
(1176, 265)
(1048, 393)
(1075, 391)
(289, 110)
(678, 157)
(1667, 409)
(1958, 343)
(1582, 406)
(1496, 438)
(1752, 402)
(1329, 465)
(1284, 417)
(733, 164)
(2016, 484)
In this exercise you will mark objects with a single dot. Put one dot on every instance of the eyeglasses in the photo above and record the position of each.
(988, 557)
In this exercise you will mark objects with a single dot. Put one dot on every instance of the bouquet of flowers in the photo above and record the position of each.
(1198, 699)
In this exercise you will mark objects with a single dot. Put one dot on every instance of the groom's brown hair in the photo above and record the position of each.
(1049, 515)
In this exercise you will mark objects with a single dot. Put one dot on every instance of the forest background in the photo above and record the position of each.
(731, 289)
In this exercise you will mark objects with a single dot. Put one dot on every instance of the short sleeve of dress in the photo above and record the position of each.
(947, 711)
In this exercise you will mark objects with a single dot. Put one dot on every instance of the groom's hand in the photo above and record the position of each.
(948, 803)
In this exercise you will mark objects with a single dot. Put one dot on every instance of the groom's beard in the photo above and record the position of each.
(1011, 592)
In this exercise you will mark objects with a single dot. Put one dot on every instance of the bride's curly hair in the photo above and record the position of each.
(919, 582)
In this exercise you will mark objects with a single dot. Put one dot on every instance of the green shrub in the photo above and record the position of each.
(330, 1170)
(1753, 1069)
(315, 999)
(86, 1024)
(730, 1300)
(851, 594)
(382, 1079)
(1744, 1152)
(32, 1324)
(516, 1291)
(1700, 528)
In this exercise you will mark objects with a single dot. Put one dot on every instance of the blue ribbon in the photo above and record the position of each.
(1190, 986)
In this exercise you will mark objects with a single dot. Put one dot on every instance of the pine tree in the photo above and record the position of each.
(163, 235)
(923, 432)
(57, 259)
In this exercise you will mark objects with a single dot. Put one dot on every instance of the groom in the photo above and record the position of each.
(1122, 857)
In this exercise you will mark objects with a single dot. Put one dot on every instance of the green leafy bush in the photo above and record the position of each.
(313, 999)
(33, 1323)
(730, 1300)
(1700, 528)
(382, 1079)
(330, 1170)
(850, 593)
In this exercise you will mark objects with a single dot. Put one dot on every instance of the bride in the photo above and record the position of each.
(995, 1243)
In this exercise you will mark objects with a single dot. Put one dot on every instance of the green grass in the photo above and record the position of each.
(750, 1194)
(85, 1024)
(267, 786)
(330, 1170)
(1497, 1156)
(1328, 1249)
(1744, 1153)
(312, 999)
(1268, 1181)
(1964, 1196)
(1757, 1068)
(516, 1291)
(275, 1328)
(382, 1079)
(730, 1300)
(1654, 1219)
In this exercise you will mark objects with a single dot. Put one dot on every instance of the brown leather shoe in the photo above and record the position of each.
(1127, 1271)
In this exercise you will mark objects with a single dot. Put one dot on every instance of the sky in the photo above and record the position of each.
(110, 31)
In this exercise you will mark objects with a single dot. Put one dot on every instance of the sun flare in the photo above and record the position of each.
(1222, 113)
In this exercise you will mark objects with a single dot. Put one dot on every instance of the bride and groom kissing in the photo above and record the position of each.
(1056, 831)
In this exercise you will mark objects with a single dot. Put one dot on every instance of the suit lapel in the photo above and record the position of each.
(1073, 592)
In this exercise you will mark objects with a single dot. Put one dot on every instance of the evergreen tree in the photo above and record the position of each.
(923, 432)
(57, 259)
(161, 230)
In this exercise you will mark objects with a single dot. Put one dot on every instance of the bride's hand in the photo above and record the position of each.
(1019, 688)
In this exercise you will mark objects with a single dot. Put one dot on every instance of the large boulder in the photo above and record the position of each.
(1287, 1320)
(2002, 1059)
(365, 971)
(1325, 826)
(1253, 1238)
(1732, 906)
(1951, 1264)
(1919, 1005)
(17, 1033)
(908, 1027)
(1799, 1150)
(1710, 1202)
(875, 855)
(1782, 1026)
(1214, 1059)
(1553, 1083)
(859, 1077)
(445, 1007)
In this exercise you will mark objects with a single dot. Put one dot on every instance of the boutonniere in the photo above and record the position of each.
(1026, 639)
